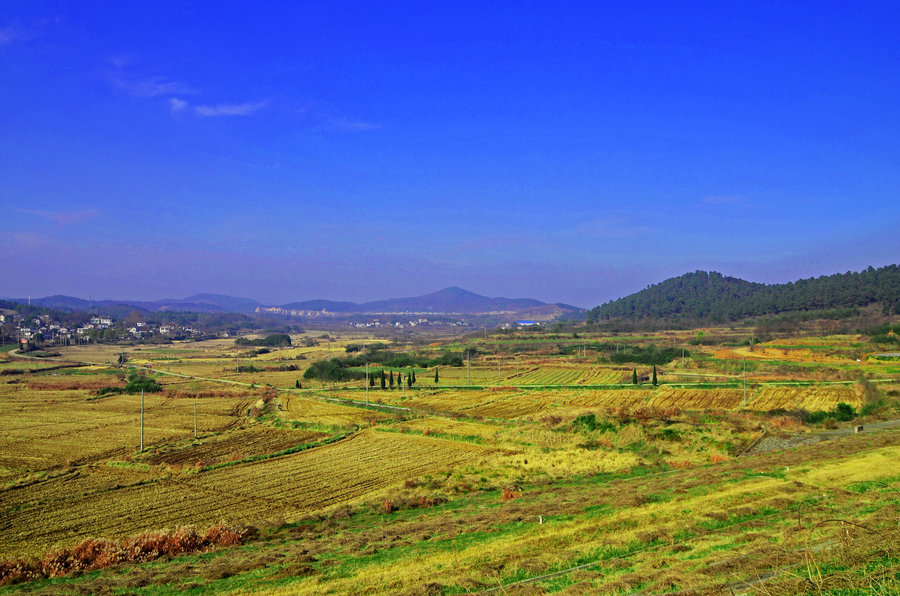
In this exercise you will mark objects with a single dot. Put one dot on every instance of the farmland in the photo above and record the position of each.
(627, 473)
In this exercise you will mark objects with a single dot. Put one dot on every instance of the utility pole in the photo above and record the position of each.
(745, 383)
(142, 419)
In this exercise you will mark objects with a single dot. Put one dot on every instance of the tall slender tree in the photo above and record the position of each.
(654, 375)
(634, 376)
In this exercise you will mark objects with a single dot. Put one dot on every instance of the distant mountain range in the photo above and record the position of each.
(196, 303)
(711, 295)
(448, 300)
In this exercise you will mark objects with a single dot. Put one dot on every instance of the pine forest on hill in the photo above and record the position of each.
(718, 298)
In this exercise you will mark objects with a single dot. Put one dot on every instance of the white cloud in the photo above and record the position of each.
(176, 105)
(241, 109)
(151, 87)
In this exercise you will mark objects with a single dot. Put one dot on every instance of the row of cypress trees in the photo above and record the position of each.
(388, 379)
(634, 377)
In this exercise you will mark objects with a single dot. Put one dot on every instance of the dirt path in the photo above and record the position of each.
(774, 442)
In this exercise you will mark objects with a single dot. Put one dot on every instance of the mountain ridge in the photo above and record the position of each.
(452, 299)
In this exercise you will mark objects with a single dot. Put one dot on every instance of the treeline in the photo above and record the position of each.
(277, 340)
(391, 359)
(885, 334)
(712, 296)
(650, 355)
(337, 370)
(350, 368)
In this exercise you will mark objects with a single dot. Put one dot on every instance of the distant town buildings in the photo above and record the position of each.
(44, 330)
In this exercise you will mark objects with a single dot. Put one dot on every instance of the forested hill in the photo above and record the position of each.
(710, 295)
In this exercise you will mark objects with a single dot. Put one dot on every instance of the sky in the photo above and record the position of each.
(569, 152)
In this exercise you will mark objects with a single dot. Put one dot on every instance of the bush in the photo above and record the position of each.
(139, 382)
(844, 412)
(589, 422)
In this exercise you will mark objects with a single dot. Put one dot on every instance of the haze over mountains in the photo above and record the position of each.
(697, 295)
(448, 300)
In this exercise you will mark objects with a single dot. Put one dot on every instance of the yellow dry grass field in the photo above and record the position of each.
(743, 526)
(46, 428)
(448, 426)
(232, 445)
(322, 411)
(804, 397)
(112, 502)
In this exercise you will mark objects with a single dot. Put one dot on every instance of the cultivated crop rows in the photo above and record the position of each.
(586, 375)
(111, 503)
(327, 413)
(234, 445)
(805, 397)
(44, 429)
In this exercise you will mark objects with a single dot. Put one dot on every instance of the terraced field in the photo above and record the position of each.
(813, 397)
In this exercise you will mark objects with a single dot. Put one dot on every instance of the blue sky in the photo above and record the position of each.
(571, 152)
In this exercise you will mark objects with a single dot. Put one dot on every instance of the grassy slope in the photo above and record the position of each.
(702, 528)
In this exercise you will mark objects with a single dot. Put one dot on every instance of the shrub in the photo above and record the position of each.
(139, 382)
(507, 494)
(589, 422)
(93, 553)
(844, 412)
